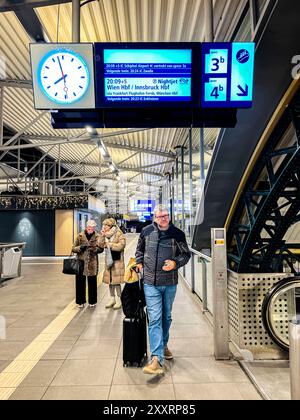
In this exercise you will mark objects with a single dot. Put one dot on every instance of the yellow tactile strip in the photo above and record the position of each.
(16, 371)
(12, 376)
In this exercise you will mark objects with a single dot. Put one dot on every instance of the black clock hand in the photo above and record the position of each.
(60, 67)
(63, 76)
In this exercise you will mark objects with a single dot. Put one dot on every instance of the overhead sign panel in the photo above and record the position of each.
(227, 75)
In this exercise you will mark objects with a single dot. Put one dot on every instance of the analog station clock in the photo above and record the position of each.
(63, 76)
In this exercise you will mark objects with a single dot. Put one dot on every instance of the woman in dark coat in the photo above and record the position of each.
(86, 246)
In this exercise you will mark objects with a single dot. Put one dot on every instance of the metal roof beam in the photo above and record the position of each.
(139, 149)
(87, 138)
(82, 161)
(15, 83)
(8, 145)
(140, 171)
(57, 140)
(8, 5)
(96, 164)
(128, 158)
(31, 23)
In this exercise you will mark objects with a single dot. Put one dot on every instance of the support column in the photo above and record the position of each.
(182, 189)
(176, 175)
(294, 340)
(44, 179)
(209, 20)
(191, 183)
(202, 156)
(19, 162)
(117, 197)
(59, 162)
(76, 21)
(1, 114)
(170, 196)
(173, 194)
(160, 198)
(253, 16)
(54, 177)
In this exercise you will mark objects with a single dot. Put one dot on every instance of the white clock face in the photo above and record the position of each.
(63, 76)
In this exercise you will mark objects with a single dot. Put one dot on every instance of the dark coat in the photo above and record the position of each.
(89, 256)
(154, 247)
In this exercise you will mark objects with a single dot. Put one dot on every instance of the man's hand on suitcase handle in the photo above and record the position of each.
(139, 268)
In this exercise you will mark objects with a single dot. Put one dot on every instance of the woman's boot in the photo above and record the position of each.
(118, 304)
(111, 303)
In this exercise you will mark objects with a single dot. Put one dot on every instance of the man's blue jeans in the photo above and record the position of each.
(159, 301)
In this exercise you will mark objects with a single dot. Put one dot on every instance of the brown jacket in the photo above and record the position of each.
(115, 274)
(89, 256)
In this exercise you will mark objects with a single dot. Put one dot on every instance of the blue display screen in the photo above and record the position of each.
(145, 206)
(227, 75)
(147, 75)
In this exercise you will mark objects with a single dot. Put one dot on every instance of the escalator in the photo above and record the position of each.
(276, 45)
(281, 305)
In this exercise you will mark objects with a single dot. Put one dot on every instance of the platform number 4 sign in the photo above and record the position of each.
(216, 89)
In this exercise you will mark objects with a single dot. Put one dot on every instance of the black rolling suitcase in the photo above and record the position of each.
(134, 325)
(134, 340)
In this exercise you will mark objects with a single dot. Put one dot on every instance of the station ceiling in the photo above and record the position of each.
(152, 151)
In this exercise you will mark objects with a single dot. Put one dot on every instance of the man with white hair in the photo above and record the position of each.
(161, 250)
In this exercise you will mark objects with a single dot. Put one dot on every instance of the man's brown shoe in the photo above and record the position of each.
(153, 368)
(167, 354)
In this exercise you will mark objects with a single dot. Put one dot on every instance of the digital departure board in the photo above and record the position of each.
(227, 75)
(147, 74)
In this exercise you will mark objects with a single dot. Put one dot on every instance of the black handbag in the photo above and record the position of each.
(73, 266)
(116, 255)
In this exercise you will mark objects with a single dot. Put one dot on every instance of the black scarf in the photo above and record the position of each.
(88, 235)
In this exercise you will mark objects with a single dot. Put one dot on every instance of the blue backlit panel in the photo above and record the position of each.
(147, 75)
(145, 206)
(227, 75)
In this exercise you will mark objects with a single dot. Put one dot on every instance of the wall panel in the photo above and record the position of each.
(64, 231)
(36, 228)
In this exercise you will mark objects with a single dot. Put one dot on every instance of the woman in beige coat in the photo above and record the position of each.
(114, 239)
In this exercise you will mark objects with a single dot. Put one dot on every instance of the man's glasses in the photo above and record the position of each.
(165, 216)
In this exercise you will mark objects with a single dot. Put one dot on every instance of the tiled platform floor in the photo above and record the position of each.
(85, 361)
(272, 378)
